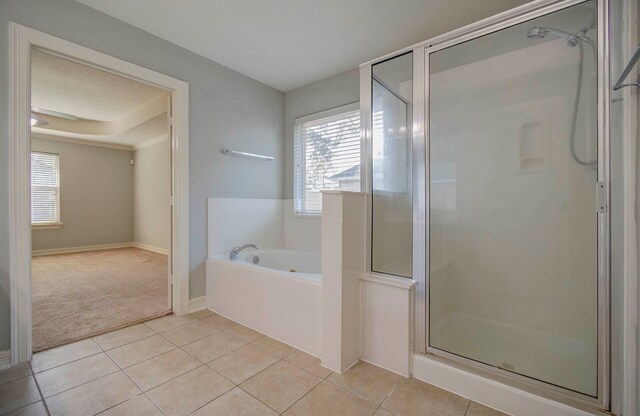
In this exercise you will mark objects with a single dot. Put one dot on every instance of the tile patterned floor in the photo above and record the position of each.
(206, 365)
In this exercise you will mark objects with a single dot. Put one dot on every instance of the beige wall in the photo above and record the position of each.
(151, 191)
(96, 196)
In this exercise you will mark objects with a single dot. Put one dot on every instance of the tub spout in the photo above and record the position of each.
(233, 254)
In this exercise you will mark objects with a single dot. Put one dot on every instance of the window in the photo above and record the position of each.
(45, 188)
(326, 156)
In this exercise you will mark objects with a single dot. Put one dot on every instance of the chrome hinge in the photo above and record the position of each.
(171, 200)
(601, 197)
(169, 121)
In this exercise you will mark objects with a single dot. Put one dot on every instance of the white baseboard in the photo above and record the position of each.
(197, 304)
(489, 392)
(68, 250)
(150, 248)
(5, 359)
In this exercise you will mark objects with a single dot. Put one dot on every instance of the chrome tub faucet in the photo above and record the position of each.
(233, 254)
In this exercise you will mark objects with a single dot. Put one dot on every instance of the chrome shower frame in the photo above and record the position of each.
(420, 174)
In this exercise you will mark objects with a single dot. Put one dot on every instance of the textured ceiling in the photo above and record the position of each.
(290, 43)
(128, 110)
(83, 91)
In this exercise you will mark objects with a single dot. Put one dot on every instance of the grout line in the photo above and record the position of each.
(468, 406)
(44, 403)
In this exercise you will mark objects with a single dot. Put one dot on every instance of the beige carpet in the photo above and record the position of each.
(80, 295)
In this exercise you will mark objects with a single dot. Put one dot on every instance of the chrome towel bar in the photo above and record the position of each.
(245, 154)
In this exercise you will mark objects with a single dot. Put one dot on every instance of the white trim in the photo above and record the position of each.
(148, 247)
(83, 142)
(47, 226)
(151, 142)
(334, 111)
(21, 40)
(489, 392)
(80, 249)
(389, 280)
(5, 359)
(197, 304)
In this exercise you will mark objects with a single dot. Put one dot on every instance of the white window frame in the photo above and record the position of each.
(55, 223)
(299, 165)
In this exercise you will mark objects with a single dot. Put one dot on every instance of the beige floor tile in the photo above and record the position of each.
(157, 370)
(328, 400)
(17, 394)
(237, 402)
(75, 373)
(476, 409)
(213, 346)
(415, 398)
(188, 333)
(281, 385)
(123, 336)
(202, 314)
(244, 333)
(184, 394)
(138, 351)
(13, 373)
(93, 397)
(383, 412)
(138, 406)
(367, 380)
(64, 354)
(308, 362)
(168, 322)
(243, 363)
(34, 409)
(275, 347)
(219, 322)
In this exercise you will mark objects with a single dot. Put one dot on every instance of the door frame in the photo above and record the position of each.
(21, 41)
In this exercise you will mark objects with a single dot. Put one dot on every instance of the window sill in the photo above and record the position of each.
(49, 226)
(303, 215)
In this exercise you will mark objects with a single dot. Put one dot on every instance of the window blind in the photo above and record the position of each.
(327, 157)
(45, 188)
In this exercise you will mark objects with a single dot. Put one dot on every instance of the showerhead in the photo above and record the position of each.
(537, 32)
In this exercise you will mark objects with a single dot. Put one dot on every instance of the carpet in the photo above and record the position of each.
(80, 295)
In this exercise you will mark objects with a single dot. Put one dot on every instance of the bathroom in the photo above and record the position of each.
(487, 223)
(455, 213)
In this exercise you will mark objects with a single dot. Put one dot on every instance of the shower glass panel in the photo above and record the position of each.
(391, 211)
(513, 237)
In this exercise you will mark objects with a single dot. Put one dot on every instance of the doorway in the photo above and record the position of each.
(100, 194)
(23, 42)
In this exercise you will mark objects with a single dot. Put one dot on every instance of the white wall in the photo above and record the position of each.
(151, 192)
(235, 222)
(96, 196)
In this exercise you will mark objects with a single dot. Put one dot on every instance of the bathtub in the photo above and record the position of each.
(276, 292)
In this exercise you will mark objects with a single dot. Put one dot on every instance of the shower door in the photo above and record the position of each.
(517, 246)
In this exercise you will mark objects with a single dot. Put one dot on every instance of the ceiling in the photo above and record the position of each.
(110, 108)
(290, 43)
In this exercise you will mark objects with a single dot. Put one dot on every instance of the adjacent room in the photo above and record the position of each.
(100, 208)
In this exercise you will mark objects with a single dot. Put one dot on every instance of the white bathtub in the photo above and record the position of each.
(268, 296)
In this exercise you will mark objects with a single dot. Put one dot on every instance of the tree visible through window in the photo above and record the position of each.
(45, 188)
(327, 156)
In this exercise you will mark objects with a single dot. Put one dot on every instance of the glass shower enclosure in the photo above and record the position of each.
(489, 188)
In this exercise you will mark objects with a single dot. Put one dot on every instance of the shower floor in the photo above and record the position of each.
(562, 361)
